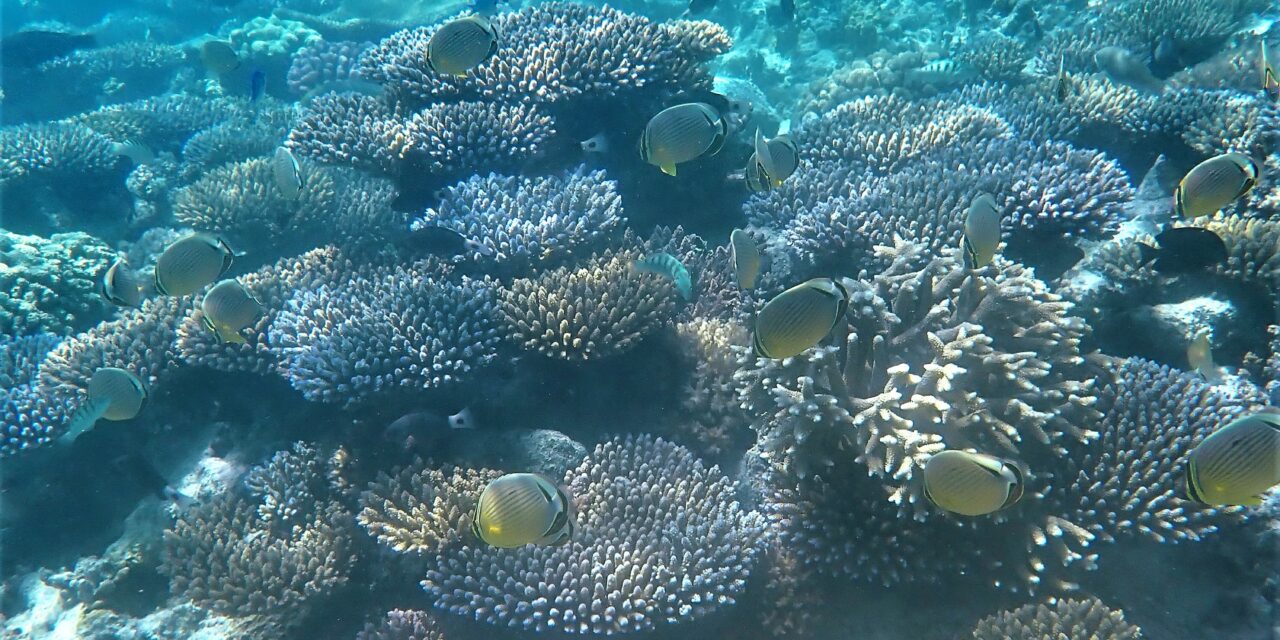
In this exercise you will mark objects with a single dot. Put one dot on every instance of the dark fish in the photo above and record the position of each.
(1184, 249)
(26, 49)
(1167, 56)
(442, 241)
(141, 472)
(257, 85)
(219, 57)
(698, 7)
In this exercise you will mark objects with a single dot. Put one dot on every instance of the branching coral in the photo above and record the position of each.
(995, 56)
(239, 554)
(53, 150)
(660, 541)
(558, 51)
(139, 340)
(324, 64)
(164, 122)
(28, 418)
(239, 138)
(51, 284)
(936, 355)
(350, 129)
(400, 624)
(714, 416)
(422, 510)
(386, 330)
(583, 313)
(523, 223)
(1061, 619)
(244, 202)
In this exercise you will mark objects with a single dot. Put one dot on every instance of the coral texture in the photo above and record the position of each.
(28, 418)
(51, 284)
(1063, 619)
(401, 624)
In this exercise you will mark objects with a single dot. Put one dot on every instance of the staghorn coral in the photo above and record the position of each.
(555, 52)
(51, 151)
(237, 139)
(385, 330)
(985, 358)
(273, 286)
(1061, 619)
(994, 56)
(350, 129)
(715, 418)
(244, 202)
(51, 284)
(140, 340)
(527, 223)
(400, 624)
(28, 418)
(224, 555)
(322, 65)
(660, 541)
(600, 309)
(422, 510)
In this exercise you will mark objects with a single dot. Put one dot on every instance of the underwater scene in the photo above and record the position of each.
(656, 319)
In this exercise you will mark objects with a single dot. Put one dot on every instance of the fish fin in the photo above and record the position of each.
(237, 337)
(1251, 501)
(83, 419)
(669, 169)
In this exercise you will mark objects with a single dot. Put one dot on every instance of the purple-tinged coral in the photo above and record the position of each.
(596, 310)
(51, 284)
(139, 340)
(660, 541)
(390, 330)
(558, 51)
(526, 223)
(224, 555)
(322, 65)
(401, 624)
(28, 418)
(1060, 619)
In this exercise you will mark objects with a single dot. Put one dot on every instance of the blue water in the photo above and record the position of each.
(459, 258)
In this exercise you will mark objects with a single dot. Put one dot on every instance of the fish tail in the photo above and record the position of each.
(1147, 252)
(669, 169)
(83, 419)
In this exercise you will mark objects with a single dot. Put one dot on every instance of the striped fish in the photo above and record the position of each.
(1236, 464)
(799, 318)
(461, 45)
(523, 508)
(114, 394)
(228, 309)
(120, 286)
(1214, 184)
(746, 258)
(191, 263)
(971, 484)
(682, 133)
(670, 266)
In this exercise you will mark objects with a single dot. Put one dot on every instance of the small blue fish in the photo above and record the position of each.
(257, 85)
(670, 266)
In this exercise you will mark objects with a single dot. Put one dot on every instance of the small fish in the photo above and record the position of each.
(257, 85)
(698, 7)
(120, 286)
(142, 473)
(191, 263)
(219, 57)
(1167, 55)
(941, 73)
(981, 232)
(523, 508)
(287, 172)
(1236, 464)
(114, 394)
(1183, 250)
(670, 266)
(971, 484)
(799, 318)
(1122, 67)
(772, 162)
(598, 144)
(443, 241)
(461, 45)
(228, 309)
(135, 151)
(1270, 82)
(1200, 357)
(746, 258)
(1214, 184)
(27, 49)
(1062, 86)
(682, 133)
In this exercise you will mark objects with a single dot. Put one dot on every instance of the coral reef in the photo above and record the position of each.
(1067, 619)
(400, 624)
(660, 541)
(422, 510)
(29, 418)
(388, 330)
(268, 551)
(51, 284)
(51, 151)
(600, 309)
(324, 64)
(527, 223)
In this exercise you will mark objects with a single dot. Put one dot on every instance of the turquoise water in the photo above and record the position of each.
(286, 284)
